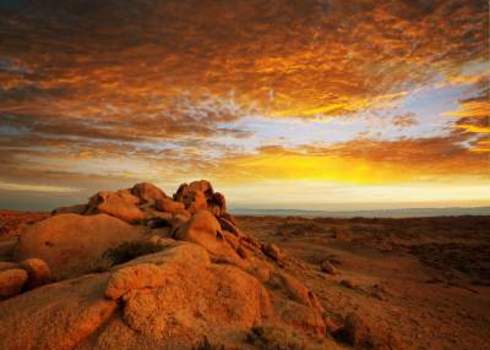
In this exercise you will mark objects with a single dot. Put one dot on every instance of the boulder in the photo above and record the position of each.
(147, 192)
(355, 331)
(71, 243)
(217, 204)
(7, 249)
(74, 209)
(195, 201)
(169, 206)
(205, 230)
(195, 196)
(328, 267)
(11, 282)
(38, 271)
(273, 252)
(203, 186)
(57, 316)
(121, 204)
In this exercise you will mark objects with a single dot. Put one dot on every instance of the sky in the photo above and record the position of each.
(306, 104)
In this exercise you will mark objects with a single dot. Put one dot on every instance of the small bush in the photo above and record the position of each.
(130, 250)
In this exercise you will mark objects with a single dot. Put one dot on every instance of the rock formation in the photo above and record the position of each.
(176, 270)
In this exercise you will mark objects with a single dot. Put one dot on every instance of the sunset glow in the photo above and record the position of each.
(311, 103)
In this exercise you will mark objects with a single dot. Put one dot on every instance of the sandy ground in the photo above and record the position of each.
(419, 283)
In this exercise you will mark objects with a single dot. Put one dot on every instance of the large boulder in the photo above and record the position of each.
(38, 271)
(58, 316)
(170, 206)
(11, 282)
(204, 229)
(147, 192)
(70, 244)
(73, 209)
(121, 204)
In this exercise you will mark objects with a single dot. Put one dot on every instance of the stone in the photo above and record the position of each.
(11, 282)
(71, 243)
(273, 252)
(328, 267)
(38, 271)
(75, 209)
(147, 192)
(121, 204)
(169, 206)
(354, 332)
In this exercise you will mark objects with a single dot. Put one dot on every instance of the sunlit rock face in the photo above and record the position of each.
(102, 280)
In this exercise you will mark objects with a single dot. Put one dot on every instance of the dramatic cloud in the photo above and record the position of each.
(97, 90)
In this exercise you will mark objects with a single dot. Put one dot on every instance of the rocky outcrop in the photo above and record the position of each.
(71, 243)
(121, 204)
(170, 299)
(148, 193)
(184, 272)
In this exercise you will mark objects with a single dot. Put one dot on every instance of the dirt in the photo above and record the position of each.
(419, 283)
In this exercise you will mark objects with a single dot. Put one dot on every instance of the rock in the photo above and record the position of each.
(170, 206)
(134, 277)
(229, 226)
(273, 252)
(242, 252)
(11, 282)
(71, 243)
(217, 204)
(58, 316)
(354, 332)
(205, 230)
(121, 204)
(38, 271)
(347, 284)
(75, 209)
(328, 267)
(148, 193)
(195, 201)
(7, 248)
(195, 196)
(202, 186)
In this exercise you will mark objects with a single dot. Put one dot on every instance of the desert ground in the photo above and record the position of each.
(414, 283)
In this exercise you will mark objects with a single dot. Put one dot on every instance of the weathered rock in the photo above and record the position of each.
(228, 226)
(38, 271)
(170, 206)
(205, 230)
(355, 331)
(203, 186)
(217, 204)
(147, 192)
(195, 196)
(273, 252)
(195, 201)
(328, 267)
(74, 209)
(121, 204)
(57, 316)
(70, 243)
(11, 282)
(7, 248)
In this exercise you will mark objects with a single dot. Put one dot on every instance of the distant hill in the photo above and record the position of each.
(382, 213)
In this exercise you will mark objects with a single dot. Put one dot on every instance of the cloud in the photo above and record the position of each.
(405, 120)
(100, 91)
